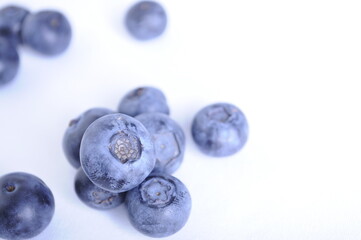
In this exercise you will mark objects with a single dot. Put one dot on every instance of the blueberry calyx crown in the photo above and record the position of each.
(9, 188)
(167, 146)
(102, 197)
(73, 122)
(138, 92)
(157, 192)
(219, 113)
(54, 22)
(125, 147)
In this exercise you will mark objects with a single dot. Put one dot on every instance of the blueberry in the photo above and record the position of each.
(75, 131)
(143, 100)
(94, 196)
(11, 19)
(220, 129)
(9, 61)
(47, 32)
(117, 152)
(160, 206)
(146, 20)
(26, 206)
(168, 138)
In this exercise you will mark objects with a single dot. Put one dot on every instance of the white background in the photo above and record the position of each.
(293, 67)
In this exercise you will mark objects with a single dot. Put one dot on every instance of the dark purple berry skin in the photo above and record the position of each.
(160, 206)
(74, 133)
(168, 138)
(9, 61)
(117, 152)
(11, 20)
(94, 196)
(143, 100)
(47, 32)
(220, 129)
(146, 20)
(26, 206)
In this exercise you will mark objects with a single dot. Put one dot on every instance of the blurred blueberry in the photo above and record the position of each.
(9, 61)
(74, 133)
(168, 138)
(117, 152)
(220, 129)
(160, 206)
(94, 196)
(146, 20)
(143, 100)
(26, 206)
(47, 32)
(11, 19)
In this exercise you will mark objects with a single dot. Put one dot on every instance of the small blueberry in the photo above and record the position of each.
(146, 20)
(220, 129)
(160, 206)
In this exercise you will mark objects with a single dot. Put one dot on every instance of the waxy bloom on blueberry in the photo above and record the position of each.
(220, 129)
(117, 152)
(94, 196)
(160, 206)
(169, 140)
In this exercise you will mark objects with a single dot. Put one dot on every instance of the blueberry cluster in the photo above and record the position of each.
(26, 206)
(128, 156)
(124, 156)
(47, 32)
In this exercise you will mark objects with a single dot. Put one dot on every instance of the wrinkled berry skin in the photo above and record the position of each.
(47, 32)
(143, 100)
(220, 129)
(9, 61)
(160, 206)
(168, 138)
(74, 133)
(94, 196)
(146, 20)
(11, 19)
(26, 206)
(117, 152)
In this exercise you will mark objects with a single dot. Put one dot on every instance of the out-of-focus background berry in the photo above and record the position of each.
(293, 67)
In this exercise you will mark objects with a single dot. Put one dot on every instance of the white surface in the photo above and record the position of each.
(293, 67)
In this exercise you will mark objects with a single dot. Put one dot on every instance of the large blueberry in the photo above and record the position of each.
(143, 100)
(94, 196)
(117, 152)
(168, 138)
(160, 206)
(146, 20)
(11, 19)
(75, 131)
(47, 32)
(9, 61)
(220, 129)
(26, 206)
